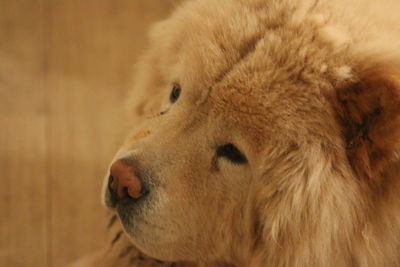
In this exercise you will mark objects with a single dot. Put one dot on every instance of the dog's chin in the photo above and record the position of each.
(150, 238)
(157, 251)
(140, 236)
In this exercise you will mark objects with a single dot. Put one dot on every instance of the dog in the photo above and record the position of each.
(267, 133)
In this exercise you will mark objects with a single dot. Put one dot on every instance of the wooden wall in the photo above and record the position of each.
(65, 66)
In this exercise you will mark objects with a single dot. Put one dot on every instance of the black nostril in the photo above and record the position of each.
(111, 188)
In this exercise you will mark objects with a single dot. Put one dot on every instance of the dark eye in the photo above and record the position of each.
(232, 153)
(175, 93)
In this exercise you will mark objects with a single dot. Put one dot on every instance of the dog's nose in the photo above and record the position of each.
(123, 180)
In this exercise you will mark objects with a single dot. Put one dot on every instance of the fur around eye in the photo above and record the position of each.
(175, 93)
(231, 153)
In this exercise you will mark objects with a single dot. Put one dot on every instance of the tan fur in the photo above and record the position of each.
(310, 93)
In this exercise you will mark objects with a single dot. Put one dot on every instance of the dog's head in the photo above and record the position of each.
(249, 122)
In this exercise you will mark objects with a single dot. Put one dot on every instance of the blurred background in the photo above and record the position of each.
(65, 66)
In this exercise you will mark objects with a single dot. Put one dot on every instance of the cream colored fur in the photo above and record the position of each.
(264, 74)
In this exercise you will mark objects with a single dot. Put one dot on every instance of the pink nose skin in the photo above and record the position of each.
(124, 180)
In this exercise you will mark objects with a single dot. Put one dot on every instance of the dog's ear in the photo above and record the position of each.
(369, 112)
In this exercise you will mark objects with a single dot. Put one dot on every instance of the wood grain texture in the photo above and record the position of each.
(23, 188)
(65, 66)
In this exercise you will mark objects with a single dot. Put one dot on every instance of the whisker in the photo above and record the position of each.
(117, 236)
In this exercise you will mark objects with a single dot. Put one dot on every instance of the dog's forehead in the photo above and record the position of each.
(252, 68)
(251, 73)
(258, 112)
(267, 100)
(200, 44)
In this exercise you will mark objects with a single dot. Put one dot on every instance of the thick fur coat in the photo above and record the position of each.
(308, 92)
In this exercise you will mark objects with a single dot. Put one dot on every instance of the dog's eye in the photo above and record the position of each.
(232, 153)
(175, 93)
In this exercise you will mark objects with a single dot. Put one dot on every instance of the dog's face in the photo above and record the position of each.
(240, 128)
